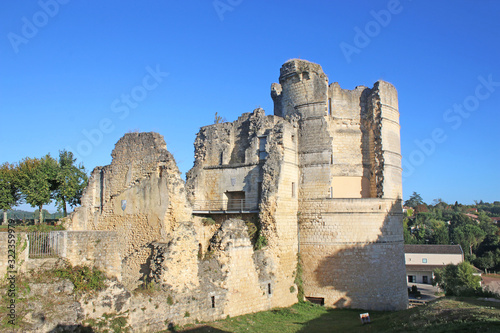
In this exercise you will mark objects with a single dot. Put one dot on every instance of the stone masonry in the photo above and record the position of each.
(317, 184)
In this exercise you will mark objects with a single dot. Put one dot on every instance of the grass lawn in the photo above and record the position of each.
(442, 315)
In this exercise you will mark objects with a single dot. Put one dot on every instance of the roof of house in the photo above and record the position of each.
(427, 268)
(422, 268)
(435, 249)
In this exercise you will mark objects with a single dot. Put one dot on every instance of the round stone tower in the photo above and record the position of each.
(386, 97)
(303, 89)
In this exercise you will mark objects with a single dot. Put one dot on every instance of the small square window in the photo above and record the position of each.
(424, 260)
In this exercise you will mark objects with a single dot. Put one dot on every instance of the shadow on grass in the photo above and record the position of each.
(204, 329)
(346, 320)
(479, 301)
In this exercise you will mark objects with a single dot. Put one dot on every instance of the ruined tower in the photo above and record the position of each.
(316, 185)
(350, 214)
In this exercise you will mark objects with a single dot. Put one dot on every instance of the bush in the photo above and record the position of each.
(458, 280)
(414, 291)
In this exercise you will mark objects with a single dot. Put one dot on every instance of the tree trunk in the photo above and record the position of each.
(40, 221)
(5, 218)
(65, 213)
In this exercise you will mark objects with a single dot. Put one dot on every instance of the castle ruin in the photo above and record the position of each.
(315, 187)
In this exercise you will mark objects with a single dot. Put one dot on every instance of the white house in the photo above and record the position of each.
(422, 260)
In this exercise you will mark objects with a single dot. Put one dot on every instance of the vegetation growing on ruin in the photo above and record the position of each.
(254, 229)
(298, 279)
(208, 221)
(84, 278)
(107, 323)
(147, 288)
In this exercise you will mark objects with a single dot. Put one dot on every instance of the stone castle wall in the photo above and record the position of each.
(350, 224)
(352, 252)
(93, 248)
(320, 180)
(140, 196)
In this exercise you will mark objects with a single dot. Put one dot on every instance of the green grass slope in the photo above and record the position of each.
(442, 315)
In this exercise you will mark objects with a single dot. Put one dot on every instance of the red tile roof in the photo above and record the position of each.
(423, 268)
(437, 249)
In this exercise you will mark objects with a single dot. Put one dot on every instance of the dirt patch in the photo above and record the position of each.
(491, 283)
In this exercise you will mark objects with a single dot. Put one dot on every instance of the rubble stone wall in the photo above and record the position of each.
(140, 195)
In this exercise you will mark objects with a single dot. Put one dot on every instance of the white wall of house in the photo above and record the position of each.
(419, 277)
(432, 259)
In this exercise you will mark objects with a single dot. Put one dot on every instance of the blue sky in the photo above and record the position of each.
(79, 75)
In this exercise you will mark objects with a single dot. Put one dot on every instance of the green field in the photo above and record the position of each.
(443, 315)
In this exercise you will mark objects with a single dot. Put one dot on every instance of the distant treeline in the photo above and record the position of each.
(16, 214)
(474, 227)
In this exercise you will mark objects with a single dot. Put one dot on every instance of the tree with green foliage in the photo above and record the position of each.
(9, 191)
(37, 180)
(71, 180)
(466, 232)
(414, 200)
(457, 280)
(487, 261)
(488, 253)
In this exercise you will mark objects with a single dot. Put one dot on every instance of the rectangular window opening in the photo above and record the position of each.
(316, 300)
(213, 302)
(262, 148)
(424, 260)
(329, 106)
(293, 190)
(269, 288)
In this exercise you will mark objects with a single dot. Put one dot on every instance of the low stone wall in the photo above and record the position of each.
(91, 248)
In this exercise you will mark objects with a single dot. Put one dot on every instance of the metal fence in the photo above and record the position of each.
(44, 244)
(225, 205)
